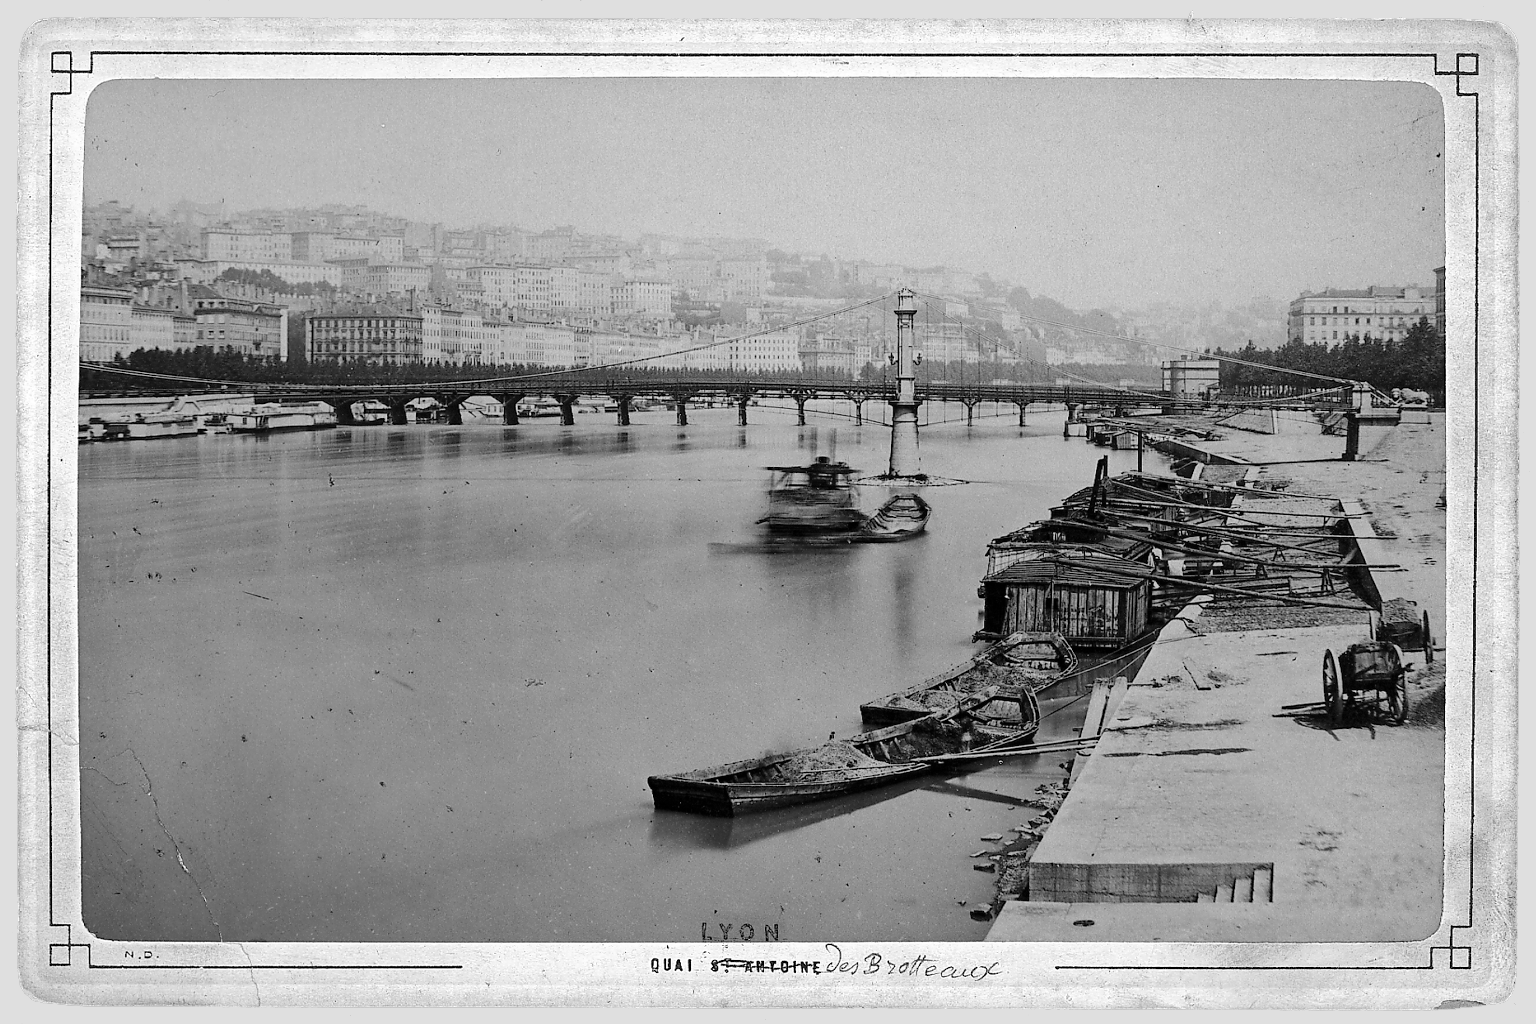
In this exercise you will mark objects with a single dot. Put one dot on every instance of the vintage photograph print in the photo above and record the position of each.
(923, 513)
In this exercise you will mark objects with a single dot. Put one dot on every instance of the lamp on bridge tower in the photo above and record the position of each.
(904, 459)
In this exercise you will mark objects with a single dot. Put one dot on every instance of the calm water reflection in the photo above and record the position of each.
(407, 683)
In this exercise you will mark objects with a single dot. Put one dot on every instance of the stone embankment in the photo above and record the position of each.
(1221, 804)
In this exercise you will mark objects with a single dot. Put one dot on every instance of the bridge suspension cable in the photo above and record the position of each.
(565, 371)
(1173, 348)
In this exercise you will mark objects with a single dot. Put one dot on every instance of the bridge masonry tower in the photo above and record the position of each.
(904, 458)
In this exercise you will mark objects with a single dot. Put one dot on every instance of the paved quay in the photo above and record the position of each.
(1220, 805)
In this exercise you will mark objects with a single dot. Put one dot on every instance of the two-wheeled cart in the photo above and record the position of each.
(1365, 674)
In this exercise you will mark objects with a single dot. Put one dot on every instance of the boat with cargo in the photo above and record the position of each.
(1025, 662)
(978, 724)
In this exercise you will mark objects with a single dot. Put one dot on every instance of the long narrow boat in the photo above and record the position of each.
(1020, 663)
(861, 762)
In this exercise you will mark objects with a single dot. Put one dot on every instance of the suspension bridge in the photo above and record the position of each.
(624, 387)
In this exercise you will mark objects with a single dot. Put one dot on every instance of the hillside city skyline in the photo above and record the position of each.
(1260, 319)
(1101, 194)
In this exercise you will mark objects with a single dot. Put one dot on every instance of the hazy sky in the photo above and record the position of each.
(1095, 192)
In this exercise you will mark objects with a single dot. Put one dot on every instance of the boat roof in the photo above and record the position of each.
(1074, 565)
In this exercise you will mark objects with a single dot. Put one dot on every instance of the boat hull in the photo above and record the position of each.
(726, 799)
(882, 757)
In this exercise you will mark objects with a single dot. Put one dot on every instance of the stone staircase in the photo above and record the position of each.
(1257, 887)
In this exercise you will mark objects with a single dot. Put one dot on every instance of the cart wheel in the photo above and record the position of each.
(1429, 642)
(1397, 699)
(1333, 695)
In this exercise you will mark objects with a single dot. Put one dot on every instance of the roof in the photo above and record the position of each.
(1075, 567)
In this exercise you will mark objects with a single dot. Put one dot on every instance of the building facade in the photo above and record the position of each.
(247, 246)
(1385, 313)
(642, 296)
(376, 339)
(241, 325)
(106, 323)
(458, 337)
(1440, 300)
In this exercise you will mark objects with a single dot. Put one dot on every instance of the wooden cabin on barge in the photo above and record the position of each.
(1092, 598)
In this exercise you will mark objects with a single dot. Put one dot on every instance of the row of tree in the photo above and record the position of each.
(271, 282)
(1414, 362)
(227, 364)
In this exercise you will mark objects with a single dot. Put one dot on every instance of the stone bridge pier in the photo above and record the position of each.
(681, 401)
(397, 413)
(343, 407)
(970, 410)
(1022, 406)
(622, 401)
(567, 410)
(741, 408)
(509, 409)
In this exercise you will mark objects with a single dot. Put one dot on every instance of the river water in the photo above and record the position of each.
(407, 683)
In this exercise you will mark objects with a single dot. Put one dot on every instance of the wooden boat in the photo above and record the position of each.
(860, 762)
(1024, 663)
(903, 517)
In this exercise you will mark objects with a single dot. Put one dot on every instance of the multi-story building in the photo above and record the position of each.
(1440, 301)
(312, 246)
(247, 246)
(1382, 312)
(824, 355)
(641, 296)
(382, 280)
(458, 337)
(692, 274)
(154, 327)
(535, 286)
(551, 245)
(542, 344)
(594, 290)
(742, 280)
(767, 352)
(497, 284)
(106, 323)
(377, 338)
(241, 325)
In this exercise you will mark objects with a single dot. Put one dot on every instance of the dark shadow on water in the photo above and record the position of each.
(951, 788)
(902, 595)
(680, 830)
